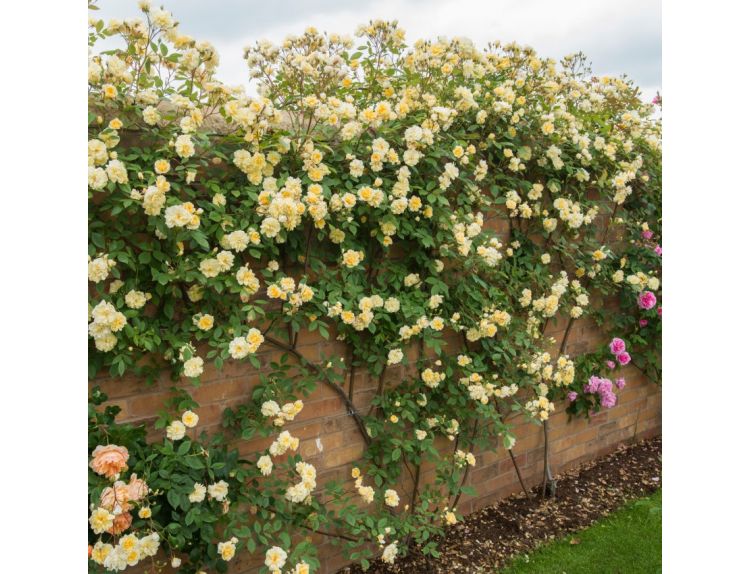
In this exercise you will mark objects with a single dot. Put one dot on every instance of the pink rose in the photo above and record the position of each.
(572, 395)
(109, 460)
(617, 346)
(605, 386)
(610, 364)
(608, 399)
(593, 385)
(646, 300)
(623, 358)
(643, 322)
(620, 383)
(657, 250)
(647, 234)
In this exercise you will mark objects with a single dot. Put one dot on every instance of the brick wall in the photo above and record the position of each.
(330, 441)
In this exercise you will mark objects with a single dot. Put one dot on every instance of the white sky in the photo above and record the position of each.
(618, 36)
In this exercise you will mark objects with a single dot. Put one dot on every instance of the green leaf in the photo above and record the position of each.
(201, 240)
(173, 498)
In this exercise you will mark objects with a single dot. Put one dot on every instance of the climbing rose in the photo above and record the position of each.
(592, 386)
(602, 387)
(646, 300)
(623, 358)
(605, 386)
(617, 346)
(608, 399)
(109, 460)
(121, 523)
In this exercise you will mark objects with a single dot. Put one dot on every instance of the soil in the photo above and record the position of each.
(488, 539)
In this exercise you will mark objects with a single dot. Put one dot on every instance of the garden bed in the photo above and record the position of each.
(489, 539)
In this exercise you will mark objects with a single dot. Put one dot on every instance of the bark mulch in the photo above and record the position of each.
(488, 539)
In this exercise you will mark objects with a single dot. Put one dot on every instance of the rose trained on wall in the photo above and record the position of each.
(432, 208)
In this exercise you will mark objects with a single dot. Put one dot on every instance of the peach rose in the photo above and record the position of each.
(116, 498)
(137, 488)
(109, 460)
(121, 523)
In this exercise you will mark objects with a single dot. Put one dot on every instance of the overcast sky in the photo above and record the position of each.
(618, 36)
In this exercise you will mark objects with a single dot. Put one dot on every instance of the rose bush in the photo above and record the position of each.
(438, 202)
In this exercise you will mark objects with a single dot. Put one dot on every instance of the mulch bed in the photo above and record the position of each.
(491, 537)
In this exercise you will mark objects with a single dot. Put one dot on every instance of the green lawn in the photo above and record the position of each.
(628, 541)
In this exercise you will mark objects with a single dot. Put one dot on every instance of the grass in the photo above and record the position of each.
(628, 541)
